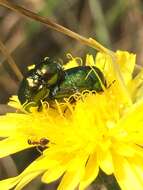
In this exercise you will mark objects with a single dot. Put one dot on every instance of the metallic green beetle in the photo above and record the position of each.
(48, 81)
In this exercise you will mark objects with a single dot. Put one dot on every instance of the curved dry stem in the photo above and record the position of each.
(51, 24)
(89, 42)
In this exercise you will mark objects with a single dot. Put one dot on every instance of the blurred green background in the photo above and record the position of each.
(117, 24)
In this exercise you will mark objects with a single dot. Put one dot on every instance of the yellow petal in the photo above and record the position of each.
(12, 123)
(53, 174)
(126, 63)
(136, 87)
(71, 179)
(22, 180)
(73, 175)
(133, 118)
(27, 178)
(12, 145)
(104, 63)
(91, 171)
(74, 62)
(126, 173)
(124, 149)
(9, 183)
(105, 161)
(137, 165)
(36, 168)
(90, 60)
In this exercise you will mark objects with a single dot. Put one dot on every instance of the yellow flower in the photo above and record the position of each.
(102, 130)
